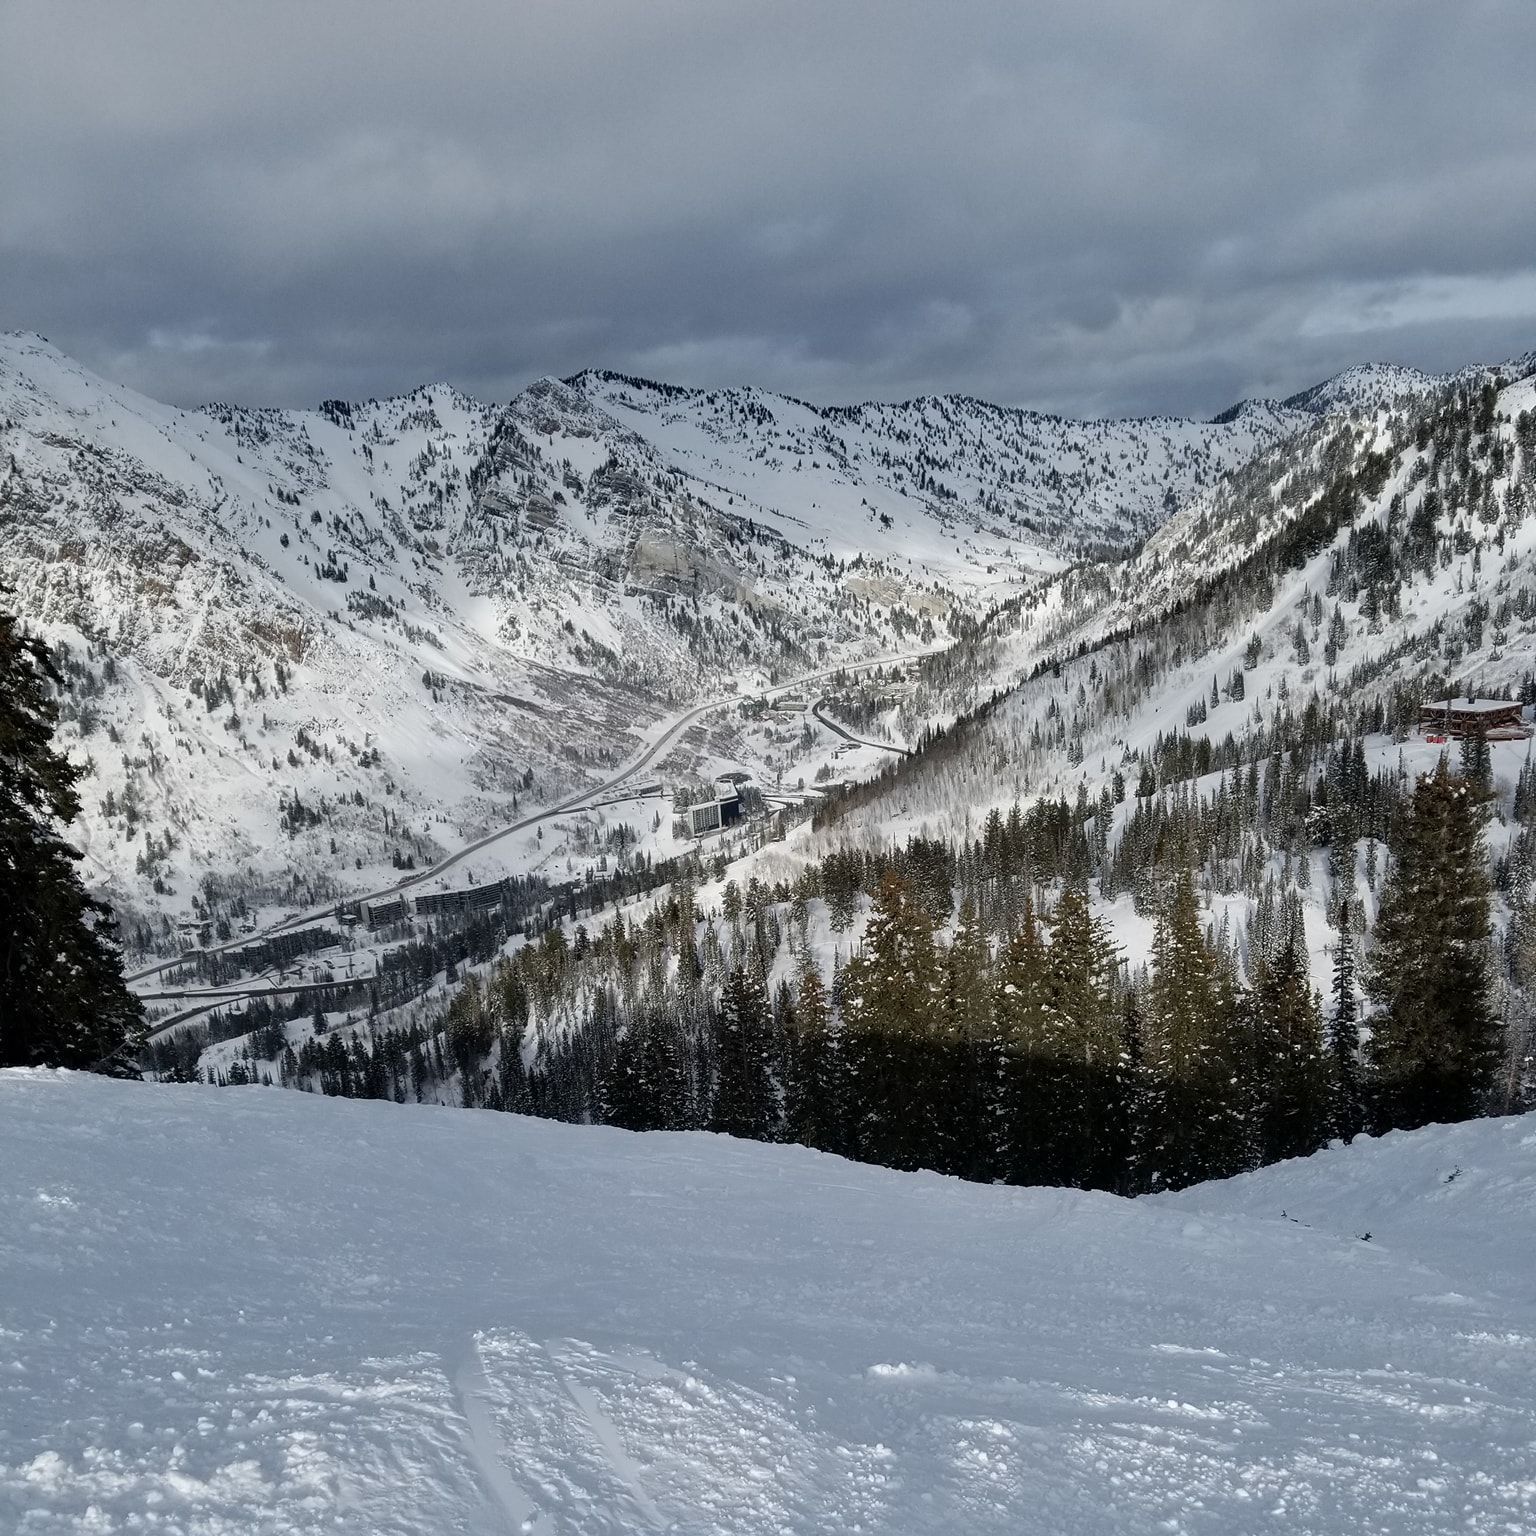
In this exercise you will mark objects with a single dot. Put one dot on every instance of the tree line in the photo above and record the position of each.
(1013, 1044)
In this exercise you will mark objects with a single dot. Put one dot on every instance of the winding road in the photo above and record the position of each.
(847, 735)
(584, 799)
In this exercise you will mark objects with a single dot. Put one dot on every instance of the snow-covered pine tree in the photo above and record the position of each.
(1344, 1032)
(644, 1089)
(1516, 1091)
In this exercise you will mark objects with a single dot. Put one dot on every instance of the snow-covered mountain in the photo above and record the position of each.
(1193, 702)
(1285, 527)
(256, 1311)
(1026, 478)
(1370, 386)
(306, 647)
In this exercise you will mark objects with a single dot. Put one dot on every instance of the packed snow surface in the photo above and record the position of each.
(257, 1311)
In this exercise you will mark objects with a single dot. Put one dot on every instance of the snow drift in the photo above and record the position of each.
(266, 1312)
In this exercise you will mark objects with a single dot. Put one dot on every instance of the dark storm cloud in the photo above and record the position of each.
(1088, 208)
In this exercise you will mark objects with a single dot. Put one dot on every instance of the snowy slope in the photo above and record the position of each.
(404, 614)
(1371, 386)
(265, 1312)
(947, 471)
(309, 648)
(1367, 386)
(1452, 1199)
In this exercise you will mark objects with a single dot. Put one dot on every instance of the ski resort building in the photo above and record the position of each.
(711, 815)
(384, 909)
(397, 907)
(1493, 719)
(475, 898)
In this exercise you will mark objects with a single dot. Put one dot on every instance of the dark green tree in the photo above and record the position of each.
(964, 1053)
(1344, 1032)
(1083, 1090)
(1287, 1071)
(744, 1095)
(644, 1088)
(63, 1001)
(1193, 1093)
(892, 992)
(1435, 1042)
(815, 1107)
(1019, 1014)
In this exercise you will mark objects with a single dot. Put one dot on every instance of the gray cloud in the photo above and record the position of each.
(1107, 208)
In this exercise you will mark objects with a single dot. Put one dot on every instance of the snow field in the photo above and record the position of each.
(266, 1312)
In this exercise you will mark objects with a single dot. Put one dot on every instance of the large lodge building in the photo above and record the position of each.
(1492, 719)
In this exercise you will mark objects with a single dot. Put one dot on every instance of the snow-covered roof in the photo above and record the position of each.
(1474, 706)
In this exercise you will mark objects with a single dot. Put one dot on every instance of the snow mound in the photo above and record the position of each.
(1457, 1199)
(265, 1312)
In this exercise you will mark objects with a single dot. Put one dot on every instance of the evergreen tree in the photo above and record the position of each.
(1435, 1049)
(892, 991)
(1516, 1090)
(1344, 1033)
(512, 1090)
(963, 1066)
(1193, 1093)
(1082, 1092)
(744, 1094)
(63, 1001)
(1288, 1070)
(1477, 762)
(815, 1108)
(1019, 1014)
(644, 1087)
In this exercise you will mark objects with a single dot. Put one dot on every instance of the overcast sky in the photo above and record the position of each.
(1093, 208)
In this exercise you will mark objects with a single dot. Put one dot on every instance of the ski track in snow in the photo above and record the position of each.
(264, 1312)
(484, 1446)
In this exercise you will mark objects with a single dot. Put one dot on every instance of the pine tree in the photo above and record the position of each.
(1477, 762)
(1344, 1033)
(744, 1095)
(1517, 1077)
(1288, 1071)
(1191, 1058)
(512, 1090)
(1019, 1014)
(892, 990)
(1082, 1092)
(815, 1109)
(963, 1065)
(1435, 1048)
(643, 1089)
(63, 1001)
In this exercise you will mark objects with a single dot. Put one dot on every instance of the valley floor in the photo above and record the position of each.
(265, 1312)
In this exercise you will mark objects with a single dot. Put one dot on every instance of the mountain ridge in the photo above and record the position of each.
(272, 611)
(410, 617)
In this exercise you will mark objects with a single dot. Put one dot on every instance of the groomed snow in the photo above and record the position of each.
(257, 1311)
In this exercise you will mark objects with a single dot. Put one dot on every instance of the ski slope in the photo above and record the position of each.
(264, 1312)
